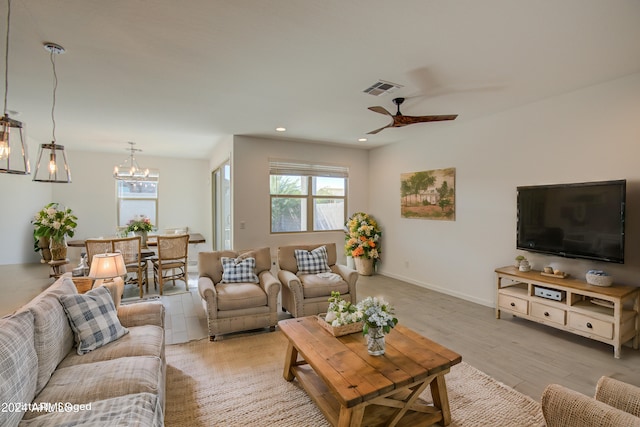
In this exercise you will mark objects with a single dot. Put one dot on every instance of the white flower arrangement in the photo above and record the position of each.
(341, 312)
(376, 313)
(54, 221)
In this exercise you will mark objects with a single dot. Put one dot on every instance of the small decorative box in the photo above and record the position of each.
(338, 331)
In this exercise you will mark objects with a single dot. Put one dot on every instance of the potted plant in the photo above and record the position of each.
(362, 242)
(53, 222)
(140, 226)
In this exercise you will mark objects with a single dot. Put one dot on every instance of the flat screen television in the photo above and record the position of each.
(584, 220)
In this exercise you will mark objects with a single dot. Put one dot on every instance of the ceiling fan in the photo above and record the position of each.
(400, 120)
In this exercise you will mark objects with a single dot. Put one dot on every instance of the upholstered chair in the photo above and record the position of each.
(238, 291)
(306, 294)
(615, 403)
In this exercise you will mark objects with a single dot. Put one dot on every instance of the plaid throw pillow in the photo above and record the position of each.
(313, 262)
(93, 318)
(239, 270)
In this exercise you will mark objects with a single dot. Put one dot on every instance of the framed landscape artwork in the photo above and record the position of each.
(428, 194)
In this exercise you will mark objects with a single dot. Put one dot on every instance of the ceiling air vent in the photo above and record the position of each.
(382, 87)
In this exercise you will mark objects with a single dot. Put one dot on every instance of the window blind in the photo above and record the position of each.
(288, 167)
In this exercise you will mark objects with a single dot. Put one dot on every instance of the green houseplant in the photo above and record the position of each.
(53, 222)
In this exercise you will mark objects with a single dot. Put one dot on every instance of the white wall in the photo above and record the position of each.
(589, 135)
(21, 199)
(183, 200)
(251, 203)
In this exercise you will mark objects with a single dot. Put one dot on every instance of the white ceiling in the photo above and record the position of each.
(176, 76)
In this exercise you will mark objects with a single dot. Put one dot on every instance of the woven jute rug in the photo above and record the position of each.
(238, 382)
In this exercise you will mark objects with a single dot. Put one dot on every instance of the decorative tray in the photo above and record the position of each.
(338, 331)
(557, 276)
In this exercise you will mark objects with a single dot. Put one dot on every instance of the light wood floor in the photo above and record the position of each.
(522, 354)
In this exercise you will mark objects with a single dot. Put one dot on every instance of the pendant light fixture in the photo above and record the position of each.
(14, 157)
(56, 168)
(130, 170)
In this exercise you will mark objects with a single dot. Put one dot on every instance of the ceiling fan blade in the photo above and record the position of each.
(408, 120)
(380, 110)
(373, 132)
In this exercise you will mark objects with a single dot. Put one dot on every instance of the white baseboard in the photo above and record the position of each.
(439, 289)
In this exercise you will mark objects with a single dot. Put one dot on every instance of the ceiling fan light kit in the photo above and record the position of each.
(14, 156)
(400, 120)
(57, 168)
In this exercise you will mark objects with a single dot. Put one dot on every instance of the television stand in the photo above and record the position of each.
(607, 314)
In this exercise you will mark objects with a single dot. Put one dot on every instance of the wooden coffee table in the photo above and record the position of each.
(352, 388)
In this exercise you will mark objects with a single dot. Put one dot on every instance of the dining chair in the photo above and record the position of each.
(130, 248)
(96, 246)
(171, 263)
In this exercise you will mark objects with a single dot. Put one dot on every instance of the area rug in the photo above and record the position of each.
(238, 382)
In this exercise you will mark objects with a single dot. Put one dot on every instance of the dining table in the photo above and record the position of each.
(194, 238)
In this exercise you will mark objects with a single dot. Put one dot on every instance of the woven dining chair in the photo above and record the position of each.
(171, 263)
(130, 248)
(96, 246)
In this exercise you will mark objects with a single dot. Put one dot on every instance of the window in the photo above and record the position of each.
(137, 199)
(306, 197)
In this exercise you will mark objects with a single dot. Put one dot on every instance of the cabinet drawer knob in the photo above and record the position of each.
(513, 304)
(546, 313)
(589, 325)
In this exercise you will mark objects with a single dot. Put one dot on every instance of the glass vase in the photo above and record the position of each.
(375, 341)
(143, 238)
(58, 248)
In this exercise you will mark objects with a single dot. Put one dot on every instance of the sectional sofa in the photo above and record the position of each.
(46, 381)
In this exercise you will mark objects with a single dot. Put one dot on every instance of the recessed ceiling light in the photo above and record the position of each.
(281, 129)
(362, 139)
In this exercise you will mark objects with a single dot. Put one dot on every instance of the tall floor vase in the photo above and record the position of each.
(364, 266)
(58, 248)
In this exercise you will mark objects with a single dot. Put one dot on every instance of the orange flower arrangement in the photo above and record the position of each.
(362, 236)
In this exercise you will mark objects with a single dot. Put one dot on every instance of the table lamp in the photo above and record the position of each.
(107, 268)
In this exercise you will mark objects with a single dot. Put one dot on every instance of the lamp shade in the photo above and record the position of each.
(107, 266)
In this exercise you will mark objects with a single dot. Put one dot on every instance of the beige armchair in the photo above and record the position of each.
(308, 294)
(615, 404)
(241, 306)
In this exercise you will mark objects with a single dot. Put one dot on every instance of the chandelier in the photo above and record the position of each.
(14, 158)
(130, 170)
(57, 168)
